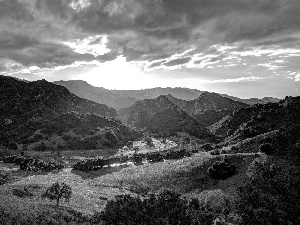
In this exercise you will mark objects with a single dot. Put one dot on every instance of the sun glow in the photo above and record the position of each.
(119, 74)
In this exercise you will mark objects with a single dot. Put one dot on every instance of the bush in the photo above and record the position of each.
(4, 177)
(267, 148)
(221, 170)
(165, 208)
(154, 157)
(57, 191)
(271, 195)
(215, 152)
(137, 159)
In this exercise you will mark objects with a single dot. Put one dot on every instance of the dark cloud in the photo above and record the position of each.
(42, 54)
(179, 61)
(156, 64)
(143, 30)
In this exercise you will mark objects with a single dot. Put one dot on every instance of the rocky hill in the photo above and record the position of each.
(40, 111)
(160, 115)
(208, 108)
(258, 119)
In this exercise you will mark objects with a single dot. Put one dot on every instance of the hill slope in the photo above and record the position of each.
(255, 120)
(208, 108)
(32, 112)
(161, 115)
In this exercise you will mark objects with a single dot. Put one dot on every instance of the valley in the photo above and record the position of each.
(210, 148)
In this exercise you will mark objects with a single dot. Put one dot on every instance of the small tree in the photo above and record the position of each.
(57, 192)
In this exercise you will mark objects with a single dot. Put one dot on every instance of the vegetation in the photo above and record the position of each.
(57, 192)
(165, 208)
(221, 170)
(266, 148)
(4, 177)
(34, 164)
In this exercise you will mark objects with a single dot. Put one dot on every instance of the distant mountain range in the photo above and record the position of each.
(125, 98)
(39, 111)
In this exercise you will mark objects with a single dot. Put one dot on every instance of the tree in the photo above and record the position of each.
(57, 192)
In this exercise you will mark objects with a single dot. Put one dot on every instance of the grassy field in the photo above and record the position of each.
(92, 190)
(185, 175)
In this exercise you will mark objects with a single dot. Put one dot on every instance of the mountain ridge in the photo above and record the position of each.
(119, 99)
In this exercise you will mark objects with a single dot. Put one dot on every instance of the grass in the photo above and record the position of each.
(92, 190)
(185, 176)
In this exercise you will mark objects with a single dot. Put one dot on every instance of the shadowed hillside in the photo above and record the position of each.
(97, 94)
(258, 119)
(161, 115)
(41, 114)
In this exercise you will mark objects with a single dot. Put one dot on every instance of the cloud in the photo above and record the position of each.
(234, 80)
(179, 61)
(47, 33)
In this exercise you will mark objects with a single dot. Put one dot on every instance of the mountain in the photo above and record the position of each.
(97, 94)
(119, 99)
(178, 92)
(208, 108)
(259, 119)
(160, 115)
(253, 101)
(39, 111)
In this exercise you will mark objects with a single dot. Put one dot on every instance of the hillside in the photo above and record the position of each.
(40, 111)
(161, 115)
(97, 94)
(208, 108)
(255, 120)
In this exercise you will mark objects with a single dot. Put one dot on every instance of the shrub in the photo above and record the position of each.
(154, 157)
(165, 208)
(267, 148)
(271, 195)
(215, 152)
(137, 159)
(221, 170)
(57, 191)
(4, 177)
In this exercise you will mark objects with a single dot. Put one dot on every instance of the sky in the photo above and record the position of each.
(244, 48)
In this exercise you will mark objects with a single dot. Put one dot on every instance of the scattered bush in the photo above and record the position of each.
(33, 164)
(221, 170)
